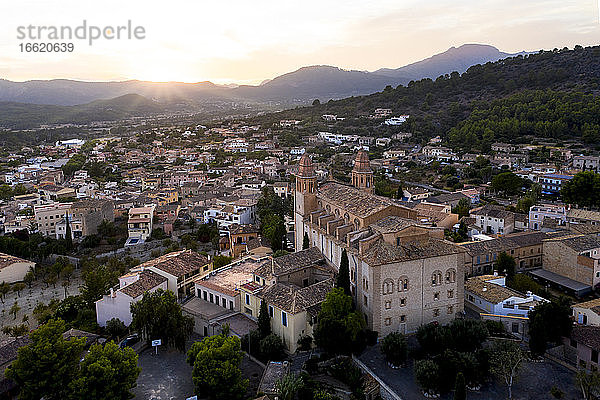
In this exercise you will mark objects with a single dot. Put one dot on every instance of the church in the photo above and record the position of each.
(403, 274)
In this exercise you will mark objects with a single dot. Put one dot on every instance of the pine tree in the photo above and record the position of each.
(305, 242)
(343, 279)
(264, 320)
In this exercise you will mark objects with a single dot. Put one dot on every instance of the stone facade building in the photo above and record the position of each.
(403, 274)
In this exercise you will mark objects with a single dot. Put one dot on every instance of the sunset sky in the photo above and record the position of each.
(249, 41)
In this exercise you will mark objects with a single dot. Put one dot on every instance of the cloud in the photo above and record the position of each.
(236, 40)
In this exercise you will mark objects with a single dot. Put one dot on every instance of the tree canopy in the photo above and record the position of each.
(583, 190)
(339, 327)
(158, 315)
(107, 372)
(216, 367)
(47, 366)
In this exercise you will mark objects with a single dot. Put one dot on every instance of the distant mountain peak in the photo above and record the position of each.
(454, 59)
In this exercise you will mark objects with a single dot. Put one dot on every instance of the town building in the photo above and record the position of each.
(489, 296)
(525, 247)
(240, 236)
(492, 219)
(181, 268)
(140, 224)
(403, 274)
(293, 287)
(585, 340)
(84, 218)
(576, 216)
(132, 286)
(552, 183)
(587, 313)
(586, 163)
(571, 263)
(48, 215)
(538, 213)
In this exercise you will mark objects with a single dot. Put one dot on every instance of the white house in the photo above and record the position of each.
(488, 294)
(174, 271)
(132, 286)
(396, 120)
(587, 313)
(539, 212)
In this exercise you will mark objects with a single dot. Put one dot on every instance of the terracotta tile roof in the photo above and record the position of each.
(146, 281)
(229, 279)
(493, 211)
(583, 214)
(9, 349)
(385, 253)
(291, 262)
(582, 243)
(584, 228)
(294, 299)
(392, 224)
(6, 260)
(506, 243)
(353, 200)
(591, 304)
(241, 229)
(258, 242)
(178, 263)
(587, 335)
(491, 292)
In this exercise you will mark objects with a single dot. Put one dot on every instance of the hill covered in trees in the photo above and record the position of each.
(552, 94)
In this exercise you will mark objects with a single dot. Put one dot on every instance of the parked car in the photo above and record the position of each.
(129, 341)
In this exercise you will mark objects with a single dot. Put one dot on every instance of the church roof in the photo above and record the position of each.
(353, 200)
(305, 167)
(361, 162)
(381, 253)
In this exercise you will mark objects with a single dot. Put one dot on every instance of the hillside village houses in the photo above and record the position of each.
(403, 271)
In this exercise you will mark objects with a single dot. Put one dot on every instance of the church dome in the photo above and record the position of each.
(305, 167)
(361, 162)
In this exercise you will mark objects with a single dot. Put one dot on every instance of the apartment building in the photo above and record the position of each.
(540, 212)
(48, 215)
(140, 224)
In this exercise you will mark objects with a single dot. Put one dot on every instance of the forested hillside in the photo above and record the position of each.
(543, 94)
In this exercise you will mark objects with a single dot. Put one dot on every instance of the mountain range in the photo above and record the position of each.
(307, 83)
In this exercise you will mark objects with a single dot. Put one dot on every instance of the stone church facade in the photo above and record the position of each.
(403, 274)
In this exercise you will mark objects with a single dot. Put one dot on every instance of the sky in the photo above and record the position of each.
(246, 42)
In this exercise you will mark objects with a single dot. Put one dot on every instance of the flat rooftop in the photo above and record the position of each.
(230, 278)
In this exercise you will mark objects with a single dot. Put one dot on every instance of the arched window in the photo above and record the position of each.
(346, 218)
(403, 284)
(436, 278)
(451, 275)
(328, 208)
(388, 286)
(337, 212)
(356, 224)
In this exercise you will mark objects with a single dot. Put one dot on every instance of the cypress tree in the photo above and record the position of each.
(343, 279)
(264, 320)
(68, 238)
(305, 242)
